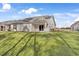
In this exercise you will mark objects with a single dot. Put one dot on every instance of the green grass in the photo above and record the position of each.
(46, 44)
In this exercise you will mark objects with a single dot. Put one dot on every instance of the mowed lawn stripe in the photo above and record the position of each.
(19, 46)
(67, 43)
(71, 33)
(9, 37)
(25, 46)
(5, 32)
(73, 40)
(53, 46)
(14, 45)
(47, 44)
(9, 42)
(18, 43)
(5, 36)
(4, 41)
(43, 42)
(29, 47)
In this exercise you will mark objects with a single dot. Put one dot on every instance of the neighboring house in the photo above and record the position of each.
(75, 26)
(32, 24)
(65, 29)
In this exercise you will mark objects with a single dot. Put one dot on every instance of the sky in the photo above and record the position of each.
(64, 13)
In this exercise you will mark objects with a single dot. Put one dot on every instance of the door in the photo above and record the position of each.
(41, 27)
(2, 28)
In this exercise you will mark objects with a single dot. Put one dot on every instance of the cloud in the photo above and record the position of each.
(5, 7)
(73, 14)
(66, 19)
(66, 14)
(77, 19)
(36, 15)
(29, 11)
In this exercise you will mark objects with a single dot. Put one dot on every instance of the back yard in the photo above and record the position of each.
(41, 44)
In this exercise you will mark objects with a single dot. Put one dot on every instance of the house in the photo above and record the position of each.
(65, 29)
(32, 24)
(75, 26)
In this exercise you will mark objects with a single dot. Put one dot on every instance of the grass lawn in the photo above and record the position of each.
(41, 44)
